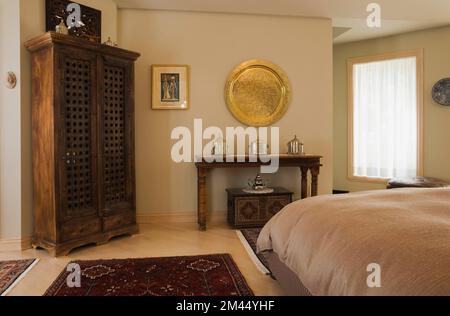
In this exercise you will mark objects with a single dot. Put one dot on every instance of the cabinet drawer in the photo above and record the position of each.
(118, 221)
(77, 229)
(248, 209)
(276, 204)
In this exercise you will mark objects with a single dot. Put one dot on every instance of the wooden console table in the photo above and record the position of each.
(304, 162)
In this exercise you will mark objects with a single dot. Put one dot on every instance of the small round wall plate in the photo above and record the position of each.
(10, 80)
(441, 92)
(258, 93)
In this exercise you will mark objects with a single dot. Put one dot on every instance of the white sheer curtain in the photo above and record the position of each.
(385, 118)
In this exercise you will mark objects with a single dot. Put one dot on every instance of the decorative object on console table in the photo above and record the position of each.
(170, 87)
(258, 148)
(295, 147)
(83, 142)
(218, 148)
(247, 210)
(306, 163)
(258, 93)
(90, 27)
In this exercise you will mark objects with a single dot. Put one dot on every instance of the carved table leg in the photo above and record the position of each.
(314, 180)
(201, 201)
(304, 171)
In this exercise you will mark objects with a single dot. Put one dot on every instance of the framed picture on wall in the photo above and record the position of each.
(170, 87)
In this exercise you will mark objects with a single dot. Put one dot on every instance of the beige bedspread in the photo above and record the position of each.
(329, 241)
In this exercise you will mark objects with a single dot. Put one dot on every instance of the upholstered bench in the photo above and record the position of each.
(417, 182)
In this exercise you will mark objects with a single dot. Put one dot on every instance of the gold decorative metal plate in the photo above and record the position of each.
(258, 93)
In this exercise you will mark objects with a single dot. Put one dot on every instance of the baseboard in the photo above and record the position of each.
(16, 244)
(178, 217)
(27, 243)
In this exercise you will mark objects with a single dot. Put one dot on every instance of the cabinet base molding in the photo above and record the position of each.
(63, 249)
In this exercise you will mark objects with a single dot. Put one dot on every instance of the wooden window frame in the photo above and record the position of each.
(418, 53)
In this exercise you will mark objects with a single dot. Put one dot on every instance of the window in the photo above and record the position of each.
(385, 116)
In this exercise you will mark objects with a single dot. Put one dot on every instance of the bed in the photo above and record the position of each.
(334, 245)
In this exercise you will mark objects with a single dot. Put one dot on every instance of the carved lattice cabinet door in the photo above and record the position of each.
(77, 135)
(117, 138)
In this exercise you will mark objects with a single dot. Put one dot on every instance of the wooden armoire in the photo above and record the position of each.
(83, 142)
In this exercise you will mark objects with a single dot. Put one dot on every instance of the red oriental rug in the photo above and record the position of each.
(211, 275)
(249, 238)
(12, 271)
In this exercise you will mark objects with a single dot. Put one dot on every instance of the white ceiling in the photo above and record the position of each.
(398, 16)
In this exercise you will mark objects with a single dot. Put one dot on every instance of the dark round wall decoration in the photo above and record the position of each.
(441, 92)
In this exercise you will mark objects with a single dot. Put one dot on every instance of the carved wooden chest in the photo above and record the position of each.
(255, 210)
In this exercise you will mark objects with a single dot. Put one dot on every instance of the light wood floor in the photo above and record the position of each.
(155, 240)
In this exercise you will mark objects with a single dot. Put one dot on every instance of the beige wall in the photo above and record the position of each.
(213, 44)
(10, 151)
(436, 46)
